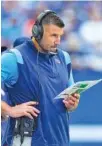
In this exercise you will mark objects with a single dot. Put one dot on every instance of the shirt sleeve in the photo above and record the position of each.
(69, 68)
(9, 69)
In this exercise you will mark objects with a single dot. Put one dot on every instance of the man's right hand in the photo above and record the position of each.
(24, 109)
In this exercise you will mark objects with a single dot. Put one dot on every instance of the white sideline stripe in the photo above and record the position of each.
(2, 92)
(86, 133)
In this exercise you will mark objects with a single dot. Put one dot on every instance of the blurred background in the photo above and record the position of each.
(82, 40)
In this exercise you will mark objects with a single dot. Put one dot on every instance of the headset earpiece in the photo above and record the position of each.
(35, 32)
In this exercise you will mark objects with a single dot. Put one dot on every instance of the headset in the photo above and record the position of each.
(37, 29)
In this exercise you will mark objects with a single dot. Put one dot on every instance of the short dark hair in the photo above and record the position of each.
(53, 19)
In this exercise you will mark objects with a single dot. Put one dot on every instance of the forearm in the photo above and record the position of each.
(24, 109)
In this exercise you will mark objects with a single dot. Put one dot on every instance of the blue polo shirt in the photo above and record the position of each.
(33, 76)
(9, 68)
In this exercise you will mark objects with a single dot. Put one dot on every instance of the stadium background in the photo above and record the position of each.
(83, 41)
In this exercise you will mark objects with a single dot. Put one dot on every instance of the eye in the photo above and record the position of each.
(55, 35)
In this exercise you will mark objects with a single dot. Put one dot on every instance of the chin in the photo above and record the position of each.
(53, 49)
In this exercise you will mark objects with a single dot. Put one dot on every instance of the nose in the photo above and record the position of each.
(57, 41)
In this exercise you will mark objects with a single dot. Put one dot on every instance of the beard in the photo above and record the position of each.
(52, 48)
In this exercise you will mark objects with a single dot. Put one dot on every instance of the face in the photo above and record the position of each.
(51, 37)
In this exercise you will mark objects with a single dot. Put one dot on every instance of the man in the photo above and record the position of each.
(35, 74)
(4, 94)
(16, 43)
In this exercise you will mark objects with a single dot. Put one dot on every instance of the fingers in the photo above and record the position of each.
(71, 101)
(68, 103)
(76, 95)
(25, 109)
(73, 97)
(36, 110)
(28, 115)
(31, 103)
(70, 98)
(33, 111)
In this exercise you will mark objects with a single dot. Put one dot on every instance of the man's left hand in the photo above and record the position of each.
(71, 101)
